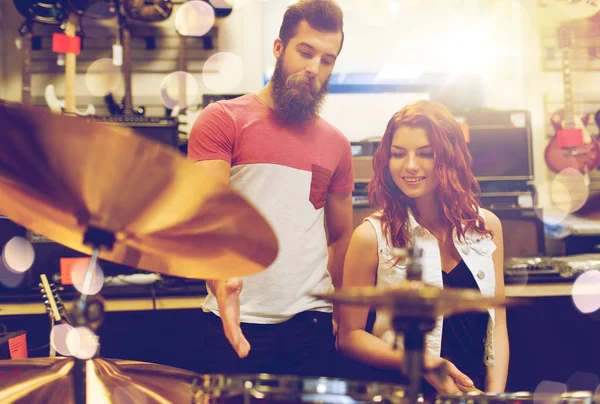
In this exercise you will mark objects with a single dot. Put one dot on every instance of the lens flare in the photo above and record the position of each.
(82, 343)
(58, 339)
(547, 389)
(586, 292)
(78, 273)
(194, 18)
(179, 89)
(223, 72)
(18, 254)
(102, 77)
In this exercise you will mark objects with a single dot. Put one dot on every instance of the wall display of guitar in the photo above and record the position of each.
(70, 27)
(571, 146)
(158, 10)
(179, 107)
(43, 12)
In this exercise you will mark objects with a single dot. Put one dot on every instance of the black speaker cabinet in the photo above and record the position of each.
(523, 232)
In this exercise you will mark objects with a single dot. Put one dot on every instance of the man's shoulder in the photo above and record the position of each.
(332, 131)
(234, 105)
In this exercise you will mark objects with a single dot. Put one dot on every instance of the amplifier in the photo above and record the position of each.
(162, 129)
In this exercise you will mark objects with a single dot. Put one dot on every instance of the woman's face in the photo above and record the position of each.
(412, 162)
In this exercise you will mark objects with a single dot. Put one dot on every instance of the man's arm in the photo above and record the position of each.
(338, 219)
(211, 147)
(217, 169)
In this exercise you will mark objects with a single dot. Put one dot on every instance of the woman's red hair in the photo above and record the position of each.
(457, 185)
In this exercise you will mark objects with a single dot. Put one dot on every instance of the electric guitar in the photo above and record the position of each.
(44, 12)
(178, 107)
(136, 10)
(70, 27)
(572, 146)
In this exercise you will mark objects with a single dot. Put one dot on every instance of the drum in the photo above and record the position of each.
(575, 397)
(284, 389)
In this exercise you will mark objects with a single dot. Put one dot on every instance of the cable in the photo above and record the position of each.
(153, 297)
(41, 347)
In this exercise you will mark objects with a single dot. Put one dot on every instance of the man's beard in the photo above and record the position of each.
(296, 104)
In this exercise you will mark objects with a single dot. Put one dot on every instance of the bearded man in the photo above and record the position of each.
(296, 169)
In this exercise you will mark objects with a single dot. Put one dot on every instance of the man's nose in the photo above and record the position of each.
(312, 68)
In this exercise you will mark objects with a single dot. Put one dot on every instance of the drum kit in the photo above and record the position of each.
(109, 193)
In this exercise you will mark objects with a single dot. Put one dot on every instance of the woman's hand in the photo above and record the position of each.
(445, 377)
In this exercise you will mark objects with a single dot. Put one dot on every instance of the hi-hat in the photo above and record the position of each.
(417, 299)
(66, 178)
(50, 380)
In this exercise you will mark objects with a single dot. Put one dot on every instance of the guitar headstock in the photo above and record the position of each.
(565, 37)
(42, 11)
(25, 28)
(54, 304)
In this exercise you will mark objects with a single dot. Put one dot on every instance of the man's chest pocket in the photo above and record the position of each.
(319, 184)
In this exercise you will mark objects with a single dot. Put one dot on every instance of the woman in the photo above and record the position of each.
(423, 187)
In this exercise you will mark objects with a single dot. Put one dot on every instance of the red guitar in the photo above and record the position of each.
(572, 146)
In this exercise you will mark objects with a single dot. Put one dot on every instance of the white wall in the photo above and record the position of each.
(401, 39)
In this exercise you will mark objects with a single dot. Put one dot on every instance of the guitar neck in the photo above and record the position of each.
(568, 89)
(126, 42)
(70, 67)
(182, 67)
(26, 77)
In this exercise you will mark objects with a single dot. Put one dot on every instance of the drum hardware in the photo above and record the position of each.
(256, 388)
(50, 380)
(522, 397)
(414, 307)
(110, 193)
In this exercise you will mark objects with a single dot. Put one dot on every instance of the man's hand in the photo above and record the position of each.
(445, 377)
(228, 298)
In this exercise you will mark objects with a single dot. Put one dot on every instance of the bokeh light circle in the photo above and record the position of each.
(194, 18)
(223, 72)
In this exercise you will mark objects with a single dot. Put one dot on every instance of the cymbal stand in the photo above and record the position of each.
(413, 322)
(84, 314)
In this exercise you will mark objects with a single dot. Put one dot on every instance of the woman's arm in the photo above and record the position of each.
(360, 269)
(496, 376)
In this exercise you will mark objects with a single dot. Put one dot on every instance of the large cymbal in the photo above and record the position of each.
(61, 175)
(417, 299)
(50, 380)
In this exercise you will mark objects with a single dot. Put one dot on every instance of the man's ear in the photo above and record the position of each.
(277, 48)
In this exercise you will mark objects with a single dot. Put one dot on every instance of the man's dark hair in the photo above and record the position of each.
(322, 15)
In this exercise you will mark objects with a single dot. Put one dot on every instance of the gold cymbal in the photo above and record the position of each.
(61, 176)
(50, 380)
(416, 298)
